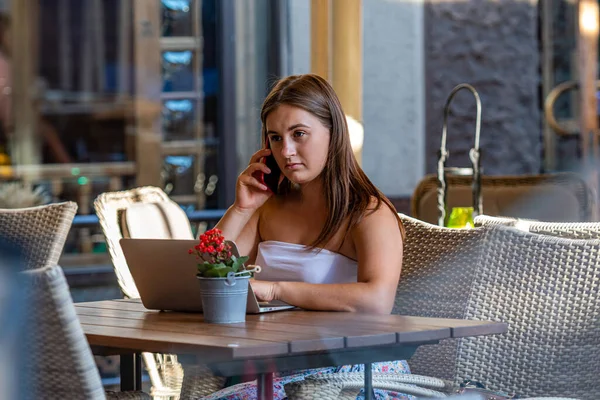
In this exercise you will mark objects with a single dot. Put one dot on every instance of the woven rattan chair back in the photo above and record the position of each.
(166, 373)
(57, 360)
(109, 207)
(437, 271)
(571, 230)
(39, 232)
(547, 289)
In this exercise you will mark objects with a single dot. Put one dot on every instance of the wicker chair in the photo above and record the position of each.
(166, 373)
(39, 232)
(546, 289)
(438, 269)
(442, 268)
(29, 238)
(58, 362)
(435, 282)
(571, 230)
(109, 208)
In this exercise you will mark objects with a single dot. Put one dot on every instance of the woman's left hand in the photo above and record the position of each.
(264, 290)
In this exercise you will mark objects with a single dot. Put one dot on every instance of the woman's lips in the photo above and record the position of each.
(293, 166)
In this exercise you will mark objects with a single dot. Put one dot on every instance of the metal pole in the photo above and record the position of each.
(548, 81)
(264, 387)
(369, 393)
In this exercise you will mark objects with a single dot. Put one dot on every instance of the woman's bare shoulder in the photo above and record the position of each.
(378, 206)
(378, 215)
(269, 212)
(272, 205)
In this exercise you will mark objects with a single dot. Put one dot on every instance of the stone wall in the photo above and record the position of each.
(492, 45)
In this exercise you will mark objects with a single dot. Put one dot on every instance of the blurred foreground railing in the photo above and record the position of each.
(87, 221)
(81, 183)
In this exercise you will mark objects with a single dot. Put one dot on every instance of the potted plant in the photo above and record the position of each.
(223, 278)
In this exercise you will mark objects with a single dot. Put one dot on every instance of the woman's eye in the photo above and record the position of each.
(275, 138)
(299, 133)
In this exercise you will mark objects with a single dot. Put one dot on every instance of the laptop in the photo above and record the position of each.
(165, 276)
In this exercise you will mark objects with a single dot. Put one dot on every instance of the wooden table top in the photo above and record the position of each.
(125, 325)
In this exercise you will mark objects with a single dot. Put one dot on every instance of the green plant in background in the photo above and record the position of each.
(217, 258)
(461, 217)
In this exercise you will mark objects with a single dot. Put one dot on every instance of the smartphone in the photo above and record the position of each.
(270, 180)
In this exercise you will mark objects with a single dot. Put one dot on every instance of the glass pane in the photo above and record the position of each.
(176, 18)
(178, 71)
(182, 177)
(178, 174)
(179, 119)
(211, 181)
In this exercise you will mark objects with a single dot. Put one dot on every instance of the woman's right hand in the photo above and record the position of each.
(250, 193)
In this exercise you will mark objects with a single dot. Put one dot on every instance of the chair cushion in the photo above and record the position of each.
(164, 220)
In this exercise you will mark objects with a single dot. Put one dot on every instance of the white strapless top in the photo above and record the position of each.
(281, 261)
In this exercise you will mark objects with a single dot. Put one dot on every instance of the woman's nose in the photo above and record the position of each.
(289, 149)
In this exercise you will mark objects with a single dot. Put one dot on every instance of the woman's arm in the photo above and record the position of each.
(240, 222)
(235, 222)
(242, 228)
(378, 245)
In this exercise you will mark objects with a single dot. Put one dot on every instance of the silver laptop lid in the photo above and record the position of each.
(165, 275)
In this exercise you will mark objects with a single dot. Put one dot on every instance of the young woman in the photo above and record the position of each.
(325, 236)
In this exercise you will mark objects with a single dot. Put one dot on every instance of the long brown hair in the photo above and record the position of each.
(347, 189)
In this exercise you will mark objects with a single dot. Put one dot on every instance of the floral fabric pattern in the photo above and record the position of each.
(247, 390)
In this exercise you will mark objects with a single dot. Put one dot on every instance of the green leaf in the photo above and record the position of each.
(231, 261)
(203, 267)
(223, 272)
(212, 273)
(217, 272)
(243, 259)
(206, 268)
(238, 263)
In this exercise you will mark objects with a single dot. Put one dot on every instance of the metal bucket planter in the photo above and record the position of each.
(224, 299)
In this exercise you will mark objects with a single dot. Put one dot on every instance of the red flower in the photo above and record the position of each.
(212, 246)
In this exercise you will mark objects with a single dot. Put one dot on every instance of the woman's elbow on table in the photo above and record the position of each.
(376, 301)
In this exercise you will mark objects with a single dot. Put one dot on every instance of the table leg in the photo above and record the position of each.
(369, 393)
(264, 386)
(131, 372)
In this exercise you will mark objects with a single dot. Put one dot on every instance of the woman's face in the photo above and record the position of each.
(299, 143)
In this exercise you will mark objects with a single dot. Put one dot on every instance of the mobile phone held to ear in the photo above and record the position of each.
(270, 180)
